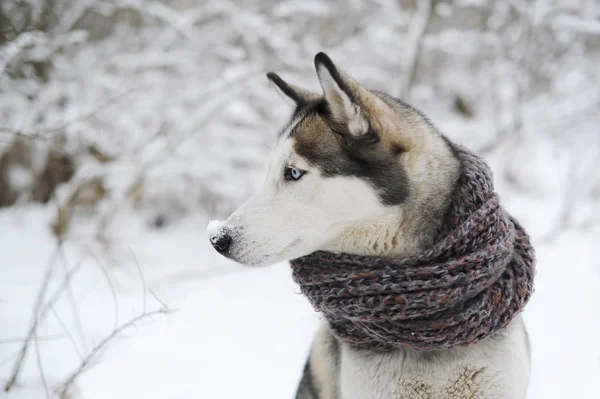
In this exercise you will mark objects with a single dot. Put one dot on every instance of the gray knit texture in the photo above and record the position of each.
(470, 284)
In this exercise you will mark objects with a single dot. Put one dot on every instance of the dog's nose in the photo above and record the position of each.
(221, 242)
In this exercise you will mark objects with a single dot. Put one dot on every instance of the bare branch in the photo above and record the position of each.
(40, 366)
(103, 343)
(576, 24)
(41, 134)
(10, 357)
(519, 67)
(418, 30)
(41, 339)
(74, 306)
(66, 330)
(158, 299)
(143, 280)
(40, 315)
(566, 211)
(112, 289)
(35, 317)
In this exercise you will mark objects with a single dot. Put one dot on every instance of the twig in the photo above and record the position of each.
(66, 330)
(38, 318)
(16, 45)
(103, 343)
(58, 128)
(40, 366)
(566, 211)
(34, 319)
(112, 289)
(9, 358)
(41, 339)
(519, 65)
(418, 30)
(171, 17)
(143, 280)
(158, 299)
(74, 307)
(578, 25)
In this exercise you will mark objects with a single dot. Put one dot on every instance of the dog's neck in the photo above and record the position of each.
(375, 238)
(402, 233)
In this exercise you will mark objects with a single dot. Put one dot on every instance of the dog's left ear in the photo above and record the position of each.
(343, 96)
(293, 95)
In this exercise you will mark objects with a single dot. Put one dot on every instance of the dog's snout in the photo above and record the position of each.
(221, 242)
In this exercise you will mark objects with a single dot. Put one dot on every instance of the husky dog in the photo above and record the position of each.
(360, 172)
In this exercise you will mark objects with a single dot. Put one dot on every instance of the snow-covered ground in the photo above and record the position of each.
(234, 331)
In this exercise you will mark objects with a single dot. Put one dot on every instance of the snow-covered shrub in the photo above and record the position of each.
(166, 104)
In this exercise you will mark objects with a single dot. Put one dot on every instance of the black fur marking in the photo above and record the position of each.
(323, 59)
(397, 149)
(335, 352)
(286, 89)
(287, 126)
(383, 173)
(355, 157)
(306, 387)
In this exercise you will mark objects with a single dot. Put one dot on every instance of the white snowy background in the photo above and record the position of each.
(125, 125)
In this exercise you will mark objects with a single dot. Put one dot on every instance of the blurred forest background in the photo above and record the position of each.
(123, 117)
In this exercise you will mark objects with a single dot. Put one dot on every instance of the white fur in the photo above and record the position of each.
(495, 368)
(288, 219)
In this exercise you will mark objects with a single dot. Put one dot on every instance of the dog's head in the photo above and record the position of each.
(352, 171)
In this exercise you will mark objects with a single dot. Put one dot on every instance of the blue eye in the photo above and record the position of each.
(292, 173)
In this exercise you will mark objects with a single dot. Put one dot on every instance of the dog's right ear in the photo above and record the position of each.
(344, 98)
(293, 95)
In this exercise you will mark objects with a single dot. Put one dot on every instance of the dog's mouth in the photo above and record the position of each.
(229, 242)
(251, 255)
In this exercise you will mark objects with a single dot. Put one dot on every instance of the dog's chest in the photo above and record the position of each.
(494, 368)
(401, 376)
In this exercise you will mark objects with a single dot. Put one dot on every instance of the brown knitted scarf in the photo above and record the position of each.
(468, 285)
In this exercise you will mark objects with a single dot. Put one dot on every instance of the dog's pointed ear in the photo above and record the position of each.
(343, 98)
(293, 95)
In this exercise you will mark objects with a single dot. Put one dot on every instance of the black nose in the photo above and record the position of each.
(221, 243)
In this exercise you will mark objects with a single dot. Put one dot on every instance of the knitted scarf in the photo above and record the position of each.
(475, 278)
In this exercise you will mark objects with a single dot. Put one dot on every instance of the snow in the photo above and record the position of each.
(229, 322)
(563, 319)
(239, 331)
(19, 177)
(213, 228)
(578, 25)
(176, 96)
